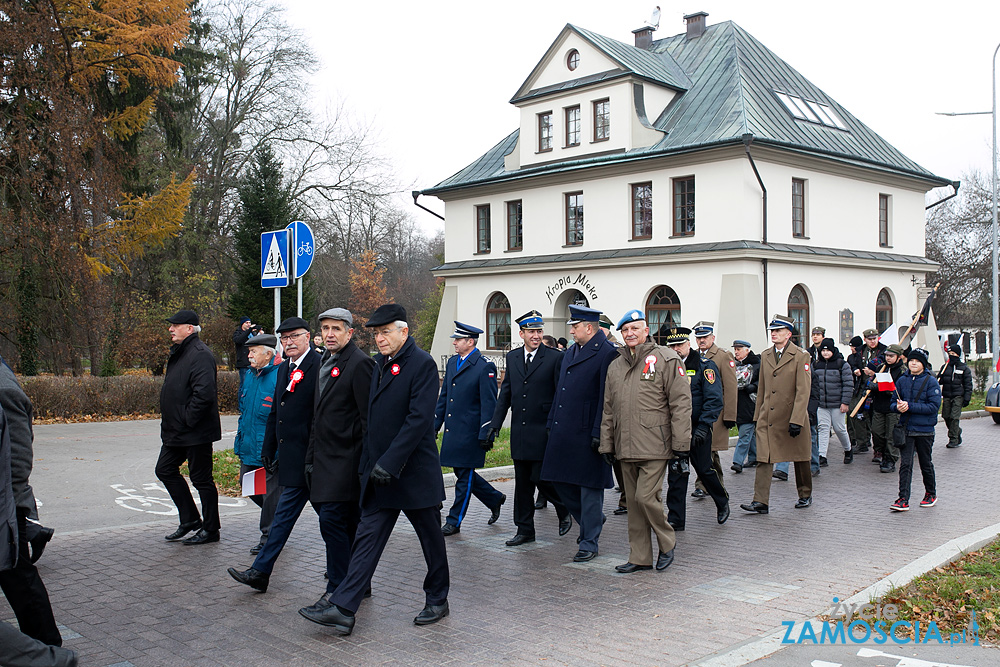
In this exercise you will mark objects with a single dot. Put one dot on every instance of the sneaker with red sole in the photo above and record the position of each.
(901, 505)
(928, 501)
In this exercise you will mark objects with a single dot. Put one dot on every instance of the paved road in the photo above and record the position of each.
(126, 597)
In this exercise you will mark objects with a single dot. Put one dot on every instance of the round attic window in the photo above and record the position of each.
(573, 59)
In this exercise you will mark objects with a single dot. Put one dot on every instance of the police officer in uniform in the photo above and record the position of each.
(704, 333)
(465, 408)
(706, 405)
(527, 390)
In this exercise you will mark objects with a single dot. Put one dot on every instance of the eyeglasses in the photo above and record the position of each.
(289, 337)
(385, 332)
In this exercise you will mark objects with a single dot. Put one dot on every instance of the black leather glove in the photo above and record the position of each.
(794, 430)
(702, 434)
(492, 435)
(486, 445)
(269, 465)
(682, 455)
(380, 476)
(680, 466)
(595, 445)
(609, 458)
(728, 424)
(965, 404)
(309, 476)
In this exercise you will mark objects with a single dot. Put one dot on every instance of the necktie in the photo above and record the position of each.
(527, 360)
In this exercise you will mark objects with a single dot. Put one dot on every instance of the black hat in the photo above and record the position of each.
(676, 335)
(184, 317)
(465, 330)
(582, 314)
(291, 324)
(857, 341)
(828, 344)
(920, 355)
(267, 340)
(387, 314)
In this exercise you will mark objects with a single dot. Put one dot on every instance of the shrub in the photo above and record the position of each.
(982, 368)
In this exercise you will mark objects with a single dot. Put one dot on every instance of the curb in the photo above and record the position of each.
(489, 474)
(763, 646)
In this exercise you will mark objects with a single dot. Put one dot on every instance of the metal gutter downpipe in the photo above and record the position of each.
(416, 194)
(747, 140)
(954, 184)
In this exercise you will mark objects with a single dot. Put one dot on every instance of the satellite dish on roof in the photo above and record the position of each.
(654, 21)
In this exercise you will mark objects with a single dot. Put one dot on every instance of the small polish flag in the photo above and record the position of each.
(885, 382)
(254, 483)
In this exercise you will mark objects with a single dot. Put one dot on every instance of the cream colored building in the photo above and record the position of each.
(637, 179)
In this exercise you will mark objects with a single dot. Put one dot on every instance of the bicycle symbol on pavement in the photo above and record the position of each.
(157, 504)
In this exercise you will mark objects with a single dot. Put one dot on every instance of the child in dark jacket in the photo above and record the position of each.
(917, 399)
(956, 393)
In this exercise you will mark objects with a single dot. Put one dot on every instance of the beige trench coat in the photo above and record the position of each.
(730, 392)
(783, 399)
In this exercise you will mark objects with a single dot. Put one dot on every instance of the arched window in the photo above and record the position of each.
(883, 311)
(498, 322)
(663, 310)
(798, 311)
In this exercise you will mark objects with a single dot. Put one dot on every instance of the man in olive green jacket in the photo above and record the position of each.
(646, 423)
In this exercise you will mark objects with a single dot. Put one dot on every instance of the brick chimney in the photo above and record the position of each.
(695, 24)
(643, 36)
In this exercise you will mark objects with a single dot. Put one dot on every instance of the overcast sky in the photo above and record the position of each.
(434, 78)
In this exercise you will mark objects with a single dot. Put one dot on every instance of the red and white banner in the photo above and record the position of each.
(885, 382)
(254, 483)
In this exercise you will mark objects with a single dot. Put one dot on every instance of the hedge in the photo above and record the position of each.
(56, 397)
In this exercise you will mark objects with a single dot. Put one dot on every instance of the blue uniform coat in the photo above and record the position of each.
(706, 397)
(400, 435)
(286, 435)
(575, 418)
(528, 395)
(465, 407)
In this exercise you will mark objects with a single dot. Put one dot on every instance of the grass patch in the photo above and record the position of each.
(496, 457)
(978, 401)
(947, 595)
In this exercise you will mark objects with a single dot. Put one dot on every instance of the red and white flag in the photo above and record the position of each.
(885, 382)
(254, 483)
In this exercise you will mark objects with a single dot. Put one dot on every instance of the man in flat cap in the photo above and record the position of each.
(572, 459)
(189, 424)
(465, 409)
(286, 438)
(527, 390)
(400, 472)
(704, 335)
(646, 417)
(340, 421)
(781, 414)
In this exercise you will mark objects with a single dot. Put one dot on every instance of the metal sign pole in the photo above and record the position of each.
(299, 281)
(277, 308)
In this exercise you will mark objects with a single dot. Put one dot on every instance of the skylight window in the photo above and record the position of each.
(814, 112)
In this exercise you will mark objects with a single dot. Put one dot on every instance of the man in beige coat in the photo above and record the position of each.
(646, 423)
(704, 333)
(782, 412)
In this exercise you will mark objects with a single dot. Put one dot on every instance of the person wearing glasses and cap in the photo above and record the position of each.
(782, 412)
(465, 409)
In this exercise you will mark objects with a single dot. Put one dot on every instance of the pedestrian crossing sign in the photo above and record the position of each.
(274, 259)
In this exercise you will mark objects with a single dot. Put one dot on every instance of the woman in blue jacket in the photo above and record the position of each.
(917, 399)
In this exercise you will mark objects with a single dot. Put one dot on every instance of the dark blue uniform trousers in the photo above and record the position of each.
(468, 483)
(677, 484)
(373, 533)
(586, 505)
(290, 504)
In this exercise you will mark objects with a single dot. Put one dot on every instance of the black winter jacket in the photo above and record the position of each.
(956, 380)
(833, 381)
(881, 399)
(189, 399)
(747, 377)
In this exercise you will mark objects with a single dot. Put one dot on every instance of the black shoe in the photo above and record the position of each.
(253, 578)
(620, 510)
(519, 539)
(816, 472)
(950, 445)
(723, 513)
(677, 529)
(322, 604)
(759, 508)
(449, 529)
(664, 560)
(583, 556)
(823, 462)
(751, 464)
(183, 530)
(862, 449)
(202, 537)
(887, 466)
(332, 617)
(493, 520)
(848, 457)
(39, 541)
(736, 468)
(629, 568)
(541, 503)
(565, 525)
(699, 494)
(802, 503)
(431, 613)
(255, 549)
(780, 475)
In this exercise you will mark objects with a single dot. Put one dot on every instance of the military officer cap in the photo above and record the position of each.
(341, 314)
(291, 324)
(677, 335)
(387, 314)
(741, 343)
(781, 322)
(530, 320)
(465, 331)
(896, 349)
(184, 317)
(819, 330)
(869, 333)
(633, 315)
(582, 314)
(267, 340)
(605, 322)
(704, 328)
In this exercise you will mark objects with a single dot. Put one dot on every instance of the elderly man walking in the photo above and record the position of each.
(646, 422)
(189, 424)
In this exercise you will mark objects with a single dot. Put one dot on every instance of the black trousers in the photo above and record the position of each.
(527, 477)
(199, 458)
(26, 593)
(338, 524)
(373, 533)
(922, 445)
(677, 483)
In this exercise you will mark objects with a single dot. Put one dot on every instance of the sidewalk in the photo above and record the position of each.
(127, 597)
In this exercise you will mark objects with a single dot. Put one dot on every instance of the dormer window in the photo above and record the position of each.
(573, 59)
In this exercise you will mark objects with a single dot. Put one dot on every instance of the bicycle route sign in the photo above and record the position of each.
(303, 247)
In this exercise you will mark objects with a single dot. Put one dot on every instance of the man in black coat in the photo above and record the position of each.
(956, 392)
(286, 439)
(340, 421)
(189, 424)
(400, 472)
(747, 374)
(527, 390)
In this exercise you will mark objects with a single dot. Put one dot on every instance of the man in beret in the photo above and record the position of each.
(189, 424)
(286, 438)
(400, 472)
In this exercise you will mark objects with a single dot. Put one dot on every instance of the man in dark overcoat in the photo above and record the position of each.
(465, 409)
(286, 438)
(189, 424)
(528, 386)
(572, 460)
(400, 472)
(340, 420)
(704, 334)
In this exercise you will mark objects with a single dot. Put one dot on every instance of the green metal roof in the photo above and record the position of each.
(727, 90)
